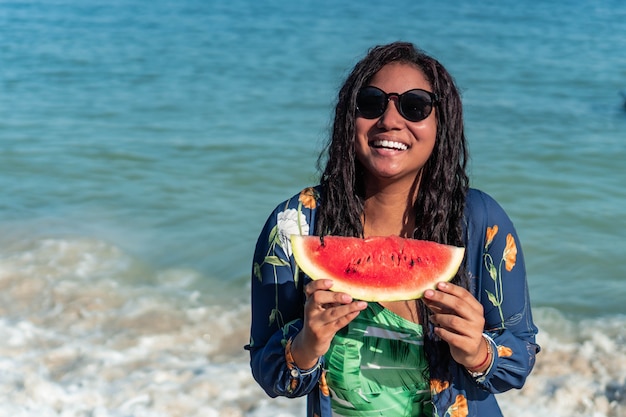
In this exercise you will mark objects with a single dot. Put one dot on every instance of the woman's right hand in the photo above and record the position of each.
(325, 313)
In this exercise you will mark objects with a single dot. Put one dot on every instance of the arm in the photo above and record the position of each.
(489, 330)
(502, 289)
(292, 324)
(277, 305)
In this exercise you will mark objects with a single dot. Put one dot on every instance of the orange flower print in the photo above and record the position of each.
(324, 385)
(491, 233)
(459, 408)
(293, 383)
(436, 386)
(494, 268)
(308, 197)
(510, 252)
(504, 351)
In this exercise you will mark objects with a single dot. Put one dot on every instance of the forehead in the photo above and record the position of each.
(399, 77)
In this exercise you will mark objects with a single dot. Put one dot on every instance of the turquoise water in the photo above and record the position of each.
(143, 145)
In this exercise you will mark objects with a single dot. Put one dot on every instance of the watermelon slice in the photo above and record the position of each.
(377, 268)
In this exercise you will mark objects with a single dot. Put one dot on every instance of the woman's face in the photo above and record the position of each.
(391, 147)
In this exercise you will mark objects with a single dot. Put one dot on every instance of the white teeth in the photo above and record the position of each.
(390, 144)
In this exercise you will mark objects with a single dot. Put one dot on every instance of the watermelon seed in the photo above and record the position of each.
(415, 261)
(322, 240)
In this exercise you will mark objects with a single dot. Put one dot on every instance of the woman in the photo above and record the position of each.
(395, 165)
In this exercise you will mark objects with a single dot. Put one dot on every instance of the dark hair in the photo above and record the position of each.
(444, 183)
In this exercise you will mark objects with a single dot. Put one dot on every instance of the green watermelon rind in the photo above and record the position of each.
(407, 290)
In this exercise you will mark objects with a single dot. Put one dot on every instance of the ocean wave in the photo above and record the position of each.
(581, 370)
(82, 336)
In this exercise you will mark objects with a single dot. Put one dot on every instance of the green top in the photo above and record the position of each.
(376, 367)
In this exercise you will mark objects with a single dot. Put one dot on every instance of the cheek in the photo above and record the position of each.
(426, 132)
(361, 127)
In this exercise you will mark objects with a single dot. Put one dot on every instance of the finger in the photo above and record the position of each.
(317, 285)
(458, 325)
(322, 301)
(339, 316)
(435, 308)
(457, 342)
(345, 320)
(460, 293)
(321, 326)
(318, 293)
(462, 348)
(451, 337)
(459, 338)
(464, 305)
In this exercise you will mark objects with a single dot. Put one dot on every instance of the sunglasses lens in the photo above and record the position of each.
(371, 102)
(416, 105)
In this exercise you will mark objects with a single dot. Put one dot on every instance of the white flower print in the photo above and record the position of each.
(289, 224)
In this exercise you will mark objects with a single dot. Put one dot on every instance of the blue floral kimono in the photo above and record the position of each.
(496, 266)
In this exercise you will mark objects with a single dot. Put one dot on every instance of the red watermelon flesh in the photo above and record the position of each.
(377, 268)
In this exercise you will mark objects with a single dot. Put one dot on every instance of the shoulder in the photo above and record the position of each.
(483, 216)
(481, 208)
(297, 213)
(305, 200)
(478, 200)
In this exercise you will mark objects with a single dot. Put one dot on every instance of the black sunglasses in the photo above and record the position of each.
(413, 105)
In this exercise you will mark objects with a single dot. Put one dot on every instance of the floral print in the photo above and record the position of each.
(509, 257)
(490, 234)
(504, 351)
(459, 408)
(290, 222)
(324, 385)
(494, 263)
(510, 252)
(308, 197)
(436, 386)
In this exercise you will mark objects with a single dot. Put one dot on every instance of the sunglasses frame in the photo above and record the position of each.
(387, 97)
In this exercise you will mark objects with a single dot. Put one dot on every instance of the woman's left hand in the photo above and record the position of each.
(459, 320)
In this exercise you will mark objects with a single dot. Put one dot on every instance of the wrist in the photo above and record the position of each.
(481, 367)
(299, 356)
(297, 372)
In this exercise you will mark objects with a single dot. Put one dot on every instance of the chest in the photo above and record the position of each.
(408, 309)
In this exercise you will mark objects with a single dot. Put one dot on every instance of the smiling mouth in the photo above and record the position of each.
(389, 144)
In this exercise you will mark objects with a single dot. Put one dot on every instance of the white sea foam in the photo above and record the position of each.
(83, 336)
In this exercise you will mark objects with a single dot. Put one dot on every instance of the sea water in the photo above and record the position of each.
(143, 144)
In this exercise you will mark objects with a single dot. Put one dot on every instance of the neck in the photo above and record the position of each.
(389, 208)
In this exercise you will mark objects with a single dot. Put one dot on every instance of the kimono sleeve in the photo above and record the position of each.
(277, 300)
(502, 289)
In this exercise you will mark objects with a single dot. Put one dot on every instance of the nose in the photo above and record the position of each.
(391, 118)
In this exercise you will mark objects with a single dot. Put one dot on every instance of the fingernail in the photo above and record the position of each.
(361, 305)
(443, 285)
(429, 293)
